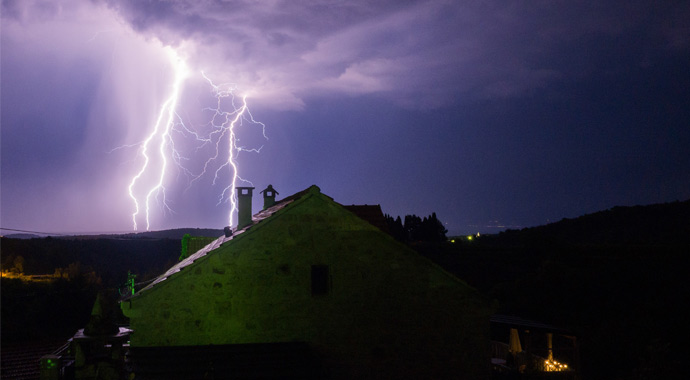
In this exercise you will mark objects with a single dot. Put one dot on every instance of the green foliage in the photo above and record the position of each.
(18, 264)
(109, 259)
(185, 247)
(32, 310)
(129, 287)
(80, 268)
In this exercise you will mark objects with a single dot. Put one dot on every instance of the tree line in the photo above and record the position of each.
(415, 228)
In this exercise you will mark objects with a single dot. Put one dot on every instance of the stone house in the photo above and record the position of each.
(307, 272)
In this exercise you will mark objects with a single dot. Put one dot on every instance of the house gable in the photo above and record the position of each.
(378, 299)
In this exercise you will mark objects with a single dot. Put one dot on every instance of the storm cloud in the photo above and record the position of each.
(80, 78)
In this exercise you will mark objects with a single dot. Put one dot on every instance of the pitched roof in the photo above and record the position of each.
(256, 220)
(513, 321)
(370, 213)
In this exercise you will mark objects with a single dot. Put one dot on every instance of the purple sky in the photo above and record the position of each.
(489, 113)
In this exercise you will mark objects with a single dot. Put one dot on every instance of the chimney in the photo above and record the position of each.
(269, 196)
(244, 206)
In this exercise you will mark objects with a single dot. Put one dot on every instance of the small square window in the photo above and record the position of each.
(320, 280)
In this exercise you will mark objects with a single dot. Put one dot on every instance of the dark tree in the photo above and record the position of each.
(416, 229)
(395, 228)
(434, 229)
(413, 228)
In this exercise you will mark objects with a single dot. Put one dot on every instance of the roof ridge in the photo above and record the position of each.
(217, 243)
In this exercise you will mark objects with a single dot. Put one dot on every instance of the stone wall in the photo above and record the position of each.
(387, 309)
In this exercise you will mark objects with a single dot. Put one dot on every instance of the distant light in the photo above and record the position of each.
(470, 237)
(554, 366)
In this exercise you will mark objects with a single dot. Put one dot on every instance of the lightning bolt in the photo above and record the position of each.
(160, 134)
(229, 121)
(229, 113)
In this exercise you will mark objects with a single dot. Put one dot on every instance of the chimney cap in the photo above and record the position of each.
(269, 189)
(244, 206)
(240, 190)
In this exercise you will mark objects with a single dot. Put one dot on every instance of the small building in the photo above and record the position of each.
(532, 349)
(306, 288)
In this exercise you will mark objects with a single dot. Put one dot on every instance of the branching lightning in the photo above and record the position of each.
(158, 149)
(229, 120)
(161, 133)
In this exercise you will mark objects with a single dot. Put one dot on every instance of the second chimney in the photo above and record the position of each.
(269, 196)
(244, 206)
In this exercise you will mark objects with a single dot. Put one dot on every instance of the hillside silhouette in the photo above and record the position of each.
(49, 284)
(658, 224)
(616, 278)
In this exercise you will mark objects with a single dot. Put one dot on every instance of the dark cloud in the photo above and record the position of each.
(560, 107)
(435, 51)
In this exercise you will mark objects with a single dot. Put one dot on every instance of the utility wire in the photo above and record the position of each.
(32, 232)
(112, 236)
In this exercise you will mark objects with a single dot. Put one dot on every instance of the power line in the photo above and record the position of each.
(32, 232)
(112, 236)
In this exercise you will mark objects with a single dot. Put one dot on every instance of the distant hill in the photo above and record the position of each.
(657, 224)
(22, 236)
(176, 234)
(615, 278)
(146, 254)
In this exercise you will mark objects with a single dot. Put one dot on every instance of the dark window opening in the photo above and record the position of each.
(319, 280)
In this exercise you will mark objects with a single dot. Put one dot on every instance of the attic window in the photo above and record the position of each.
(319, 280)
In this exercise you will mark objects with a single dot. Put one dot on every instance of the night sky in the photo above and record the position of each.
(492, 114)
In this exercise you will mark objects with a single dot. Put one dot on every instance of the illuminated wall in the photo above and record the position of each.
(315, 272)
